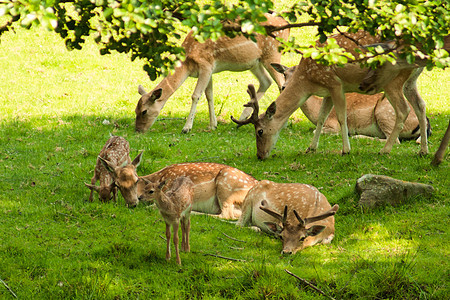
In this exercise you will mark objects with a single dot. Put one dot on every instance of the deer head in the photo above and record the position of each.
(125, 178)
(104, 192)
(293, 235)
(264, 142)
(148, 108)
(286, 71)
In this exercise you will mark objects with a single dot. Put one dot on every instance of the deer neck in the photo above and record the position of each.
(173, 81)
(288, 102)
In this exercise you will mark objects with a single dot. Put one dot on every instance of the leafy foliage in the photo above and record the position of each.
(151, 29)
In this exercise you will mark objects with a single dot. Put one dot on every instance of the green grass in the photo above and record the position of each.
(55, 244)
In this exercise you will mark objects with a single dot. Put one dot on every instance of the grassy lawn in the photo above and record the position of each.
(58, 108)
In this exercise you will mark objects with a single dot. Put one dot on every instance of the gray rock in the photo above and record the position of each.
(375, 190)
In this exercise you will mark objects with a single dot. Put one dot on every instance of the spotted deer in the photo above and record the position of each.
(117, 152)
(332, 82)
(367, 115)
(218, 189)
(125, 178)
(202, 60)
(297, 213)
(175, 205)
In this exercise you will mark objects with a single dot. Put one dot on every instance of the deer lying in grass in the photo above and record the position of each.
(202, 60)
(367, 115)
(297, 213)
(331, 82)
(125, 178)
(117, 152)
(175, 205)
(218, 189)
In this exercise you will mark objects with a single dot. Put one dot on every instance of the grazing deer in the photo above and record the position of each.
(218, 189)
(367, 115)
(125, 178)
(202, 60)
(175, 205)
(332, 82)
(286, 210)
(117, 152)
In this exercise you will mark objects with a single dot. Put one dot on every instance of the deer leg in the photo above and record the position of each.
(324, 111)
(439, 155)
(93, 181)
(264, 83)
(176, 240)
(203, 80)
(185, 228)
(340, 106)
(114, 194)
(167, 241)
(210, 99)
(401, 108)
(412, 94)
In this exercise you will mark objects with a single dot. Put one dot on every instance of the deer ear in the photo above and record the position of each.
(315, 230)
(156, 95)
(141, 90)
(137, 161)
(271, 110)
(109, 166)
(92, 187)
(279, 68)
(274, 227)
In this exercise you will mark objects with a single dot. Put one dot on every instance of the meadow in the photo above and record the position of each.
(58, 108)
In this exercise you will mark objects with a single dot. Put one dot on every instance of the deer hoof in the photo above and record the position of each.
(423, 152)
(310, 150)
(185, 130)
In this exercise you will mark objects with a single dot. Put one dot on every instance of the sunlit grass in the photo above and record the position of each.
(55, 244)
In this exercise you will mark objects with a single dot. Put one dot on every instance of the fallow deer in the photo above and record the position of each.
(175, 205)
(202, 60)
(331, 82)
(367, 115)
(125, 178)
(297, 213)
(117, 152)
(218, 189)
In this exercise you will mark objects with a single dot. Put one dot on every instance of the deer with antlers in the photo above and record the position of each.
(202, 60)
(117, 152)
(331, 82)
(297, 213)
(218, 189)
(367, 115)
(175, 205)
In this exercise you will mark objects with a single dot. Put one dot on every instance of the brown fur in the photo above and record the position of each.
(202, 60)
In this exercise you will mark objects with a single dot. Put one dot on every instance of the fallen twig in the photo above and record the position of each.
(224, 257)
(232, 238)
(161, 119)
(309, 284)
(163, 238)
(8, 288)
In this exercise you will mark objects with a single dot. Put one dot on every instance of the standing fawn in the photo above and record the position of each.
(367, 115)
(202, 60)
(218, 189)
(332, 82)
(286, 209)
(117, 152)
(175, 205)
